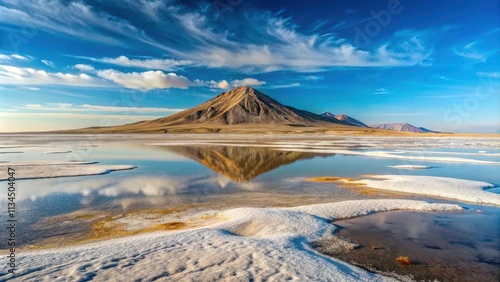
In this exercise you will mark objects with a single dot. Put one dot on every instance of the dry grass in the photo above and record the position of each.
(403, 260)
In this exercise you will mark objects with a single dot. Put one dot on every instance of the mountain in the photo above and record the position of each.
(328, 115)
(344, 118)
(405, 127)
(242, 105)
(240, 110)
(350, 120)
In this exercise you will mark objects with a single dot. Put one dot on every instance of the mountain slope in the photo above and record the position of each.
(242, 105)
(404, 127)
(241, 110)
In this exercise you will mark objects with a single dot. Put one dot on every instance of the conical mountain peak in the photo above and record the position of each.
(242, 105)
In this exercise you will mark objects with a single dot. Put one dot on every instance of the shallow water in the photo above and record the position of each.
(259, 171)
(461, 246)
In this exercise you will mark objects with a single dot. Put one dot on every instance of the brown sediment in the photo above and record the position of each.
(323, 179)
(103, 225)
(108, 228)
(402, 260)
(343, 181)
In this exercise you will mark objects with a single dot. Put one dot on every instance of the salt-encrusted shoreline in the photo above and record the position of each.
(452, 188)
(269, 243)
(51, 169)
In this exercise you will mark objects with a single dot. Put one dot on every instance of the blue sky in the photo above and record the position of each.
(70, 64)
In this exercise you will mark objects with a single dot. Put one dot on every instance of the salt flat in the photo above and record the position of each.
(51, 169)
(452, 188)
(248, 243)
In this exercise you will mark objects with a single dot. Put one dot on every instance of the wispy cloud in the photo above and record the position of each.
(77, 115)
(286, 48)
(4, 57)
(196, 40)
(75, 19)
(312, 77)
(19, 57)
(156, 64)
(295, 84)
(470, 52)
(32, 88)
(11, 75)
(48, 63)
(281, 46)
(399, 114)
(380, 91)
(488, 74)
(58, 107)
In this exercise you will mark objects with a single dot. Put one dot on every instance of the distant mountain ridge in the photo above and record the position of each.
(404, 127)
(245, 110)
(344, 118)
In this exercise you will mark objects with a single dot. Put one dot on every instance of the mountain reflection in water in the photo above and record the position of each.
(241, 163)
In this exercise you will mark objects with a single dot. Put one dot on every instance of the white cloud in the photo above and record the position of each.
(32, 88)
(148, 80)
(19, 57)
(48, 63)
(283, 47)
(469, 51)
(4, 57)
(489, 74)
(129, 109)
(381, 91)
(224, 84)
(194, 40)
(145, 80)
(295, 84)
(58, 107)
(247, 82)
(28, 76)
(312, 77)
(84, 68)
(33, 106)
(76, 19)
(62, 105)
(75, 115)
(161, 64)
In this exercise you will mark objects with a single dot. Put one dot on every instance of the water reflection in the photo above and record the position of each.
(240, 164)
